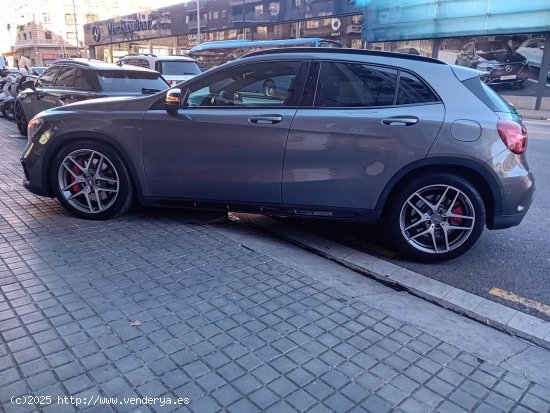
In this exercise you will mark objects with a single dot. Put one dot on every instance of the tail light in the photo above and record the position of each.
(513, 134)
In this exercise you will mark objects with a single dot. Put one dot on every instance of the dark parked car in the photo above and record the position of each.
(358, 136)
(496, 58)
(72, 80)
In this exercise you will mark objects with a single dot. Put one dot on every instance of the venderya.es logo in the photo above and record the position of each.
(96, 33)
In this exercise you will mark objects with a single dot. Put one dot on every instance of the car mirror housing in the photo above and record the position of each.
(173, 99)
(28, 84)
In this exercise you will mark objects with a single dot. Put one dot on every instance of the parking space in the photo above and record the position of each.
(161, 311)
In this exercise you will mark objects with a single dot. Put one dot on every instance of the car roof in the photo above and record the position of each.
(100, 65)
(338, 53)
(156, 58)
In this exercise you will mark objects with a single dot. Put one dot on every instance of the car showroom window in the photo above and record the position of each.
(47, 77)
(258, 84)
(343, 84)
(413, 91)
(68, 78)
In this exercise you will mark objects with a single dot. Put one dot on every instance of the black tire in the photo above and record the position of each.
(102, 191)
(21, 119)
(270, 89)
(7, 111)
(426, 233)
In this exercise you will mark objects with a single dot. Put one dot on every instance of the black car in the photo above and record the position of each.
(501, 64)
(74, 80)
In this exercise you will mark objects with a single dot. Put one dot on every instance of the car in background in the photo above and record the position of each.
(175, 69)
(359, 135)
(73, 80)
(36, 70)
(414, 51)
(532, 49)
(494, 57)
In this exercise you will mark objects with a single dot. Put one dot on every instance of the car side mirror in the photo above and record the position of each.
(173, 99)
(28, 84)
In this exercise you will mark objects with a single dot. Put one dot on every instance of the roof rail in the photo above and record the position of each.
(138, 54)
(74, 61)
(342, 51)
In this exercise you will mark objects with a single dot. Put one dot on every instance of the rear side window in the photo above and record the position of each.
(176, 68)
(344, 84)
(488, 95)
(132, 82)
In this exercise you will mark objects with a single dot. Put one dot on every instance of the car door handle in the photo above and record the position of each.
(400, 121)
(265, 119)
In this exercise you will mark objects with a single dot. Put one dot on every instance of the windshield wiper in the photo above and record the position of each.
(148, 91)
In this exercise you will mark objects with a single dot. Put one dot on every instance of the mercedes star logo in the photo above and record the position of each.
(96, 34)
(508, 68)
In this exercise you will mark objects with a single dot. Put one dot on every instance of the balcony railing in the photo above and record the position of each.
(20, 44)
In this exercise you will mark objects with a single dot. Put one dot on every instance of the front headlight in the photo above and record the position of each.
(34, 126)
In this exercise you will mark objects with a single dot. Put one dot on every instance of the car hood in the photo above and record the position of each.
(124, 103)
(500, 57)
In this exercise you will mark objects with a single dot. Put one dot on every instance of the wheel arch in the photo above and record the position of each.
(94, 137)
(479, 175)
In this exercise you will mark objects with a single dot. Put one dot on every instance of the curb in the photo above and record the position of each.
(478, 308)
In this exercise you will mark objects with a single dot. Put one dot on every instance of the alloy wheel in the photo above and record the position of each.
(88, 181)
(437, 219)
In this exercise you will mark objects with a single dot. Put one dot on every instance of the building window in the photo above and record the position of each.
(70, 19)
(48, 35)
(71, 36)
(45, 17)
(91, 17)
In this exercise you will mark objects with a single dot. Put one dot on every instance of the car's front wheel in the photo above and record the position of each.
(436, 217)
(91, 181)
(21, 119)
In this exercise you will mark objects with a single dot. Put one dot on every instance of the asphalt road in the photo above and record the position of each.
(516, 260)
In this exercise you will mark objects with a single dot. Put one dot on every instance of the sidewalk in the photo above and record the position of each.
(167, 306)
(525, 106)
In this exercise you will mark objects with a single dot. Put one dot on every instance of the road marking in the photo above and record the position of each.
(535, 305)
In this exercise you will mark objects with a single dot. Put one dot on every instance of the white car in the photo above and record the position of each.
(532, 49)
(175, 69)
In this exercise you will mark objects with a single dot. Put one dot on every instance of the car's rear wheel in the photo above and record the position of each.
(91, 181)
(436, 217)
(7, 111)
(20, 119)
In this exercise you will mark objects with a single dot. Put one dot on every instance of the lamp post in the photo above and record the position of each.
(198, 22)
(76, 30)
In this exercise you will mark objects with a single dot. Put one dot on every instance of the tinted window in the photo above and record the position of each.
(137, 62)
(355, 85)
(69, 77)
(176, 68)
(412, 90)
(260, 84)
(127, 81)
(47, 77)
(488, 95)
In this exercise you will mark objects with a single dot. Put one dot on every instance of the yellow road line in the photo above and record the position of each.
(535, 305)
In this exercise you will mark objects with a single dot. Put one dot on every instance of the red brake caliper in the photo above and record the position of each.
(457, 209)
(76, 187)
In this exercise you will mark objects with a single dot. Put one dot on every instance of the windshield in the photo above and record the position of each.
(491, 47)
(130, 82)
(178, 68)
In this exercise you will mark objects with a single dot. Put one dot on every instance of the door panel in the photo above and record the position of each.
(368, 122)
(228, 143)
(216, 154)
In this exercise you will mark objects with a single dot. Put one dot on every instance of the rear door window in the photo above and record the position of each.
(413, 91)
(343, 84)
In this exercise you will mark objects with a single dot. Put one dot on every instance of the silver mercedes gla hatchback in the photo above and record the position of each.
(347, 134)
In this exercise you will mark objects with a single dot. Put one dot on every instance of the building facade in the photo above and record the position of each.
(176, 29)
(37, 32)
